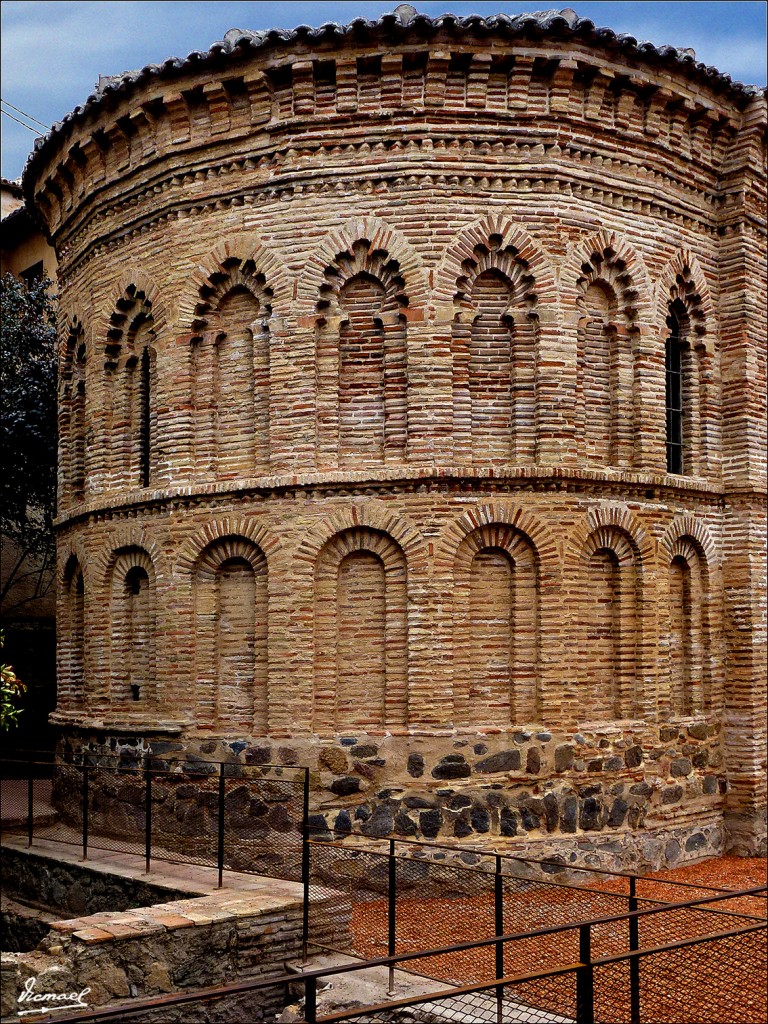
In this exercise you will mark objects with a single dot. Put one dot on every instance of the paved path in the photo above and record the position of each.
(13, 801)
(192, 878)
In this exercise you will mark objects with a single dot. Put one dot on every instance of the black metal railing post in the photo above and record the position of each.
(85, 810)
(30, 803)
(305, 851)
(634, 961)
(310, 1000)
(220, 841)
(148, 820)
(585, 992)
(498, 924)
(392, 914)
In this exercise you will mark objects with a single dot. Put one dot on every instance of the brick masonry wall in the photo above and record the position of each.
(381, 324)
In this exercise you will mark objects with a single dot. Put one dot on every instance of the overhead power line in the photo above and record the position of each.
(16, 119)
(24, 114)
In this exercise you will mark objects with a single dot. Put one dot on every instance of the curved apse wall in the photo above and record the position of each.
(411, 425)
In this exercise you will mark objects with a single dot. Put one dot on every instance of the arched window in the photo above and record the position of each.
(362, 410)
(677, 387)
(607, 304)
(494, 348)
(237, 425)
(230, 369)
(688, 628)
(144, 426)
(361, 360)
(604, 633)
(133, 629)
(71, 676)
(491, 369)
(231, 600)
(362, 641)
(691, 394)
(72, 410)
(361, 645)
(139, 628)
(610, 643)
(496, 626)
(600, 374)
(131, 367)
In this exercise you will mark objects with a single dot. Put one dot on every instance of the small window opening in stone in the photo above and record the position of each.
(32, 274)
(135, 580)
(414, 63)
(325, 72)
(144, 423)
(368, 65)
(674, 399)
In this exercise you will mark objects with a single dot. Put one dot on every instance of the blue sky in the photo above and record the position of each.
(53, 52)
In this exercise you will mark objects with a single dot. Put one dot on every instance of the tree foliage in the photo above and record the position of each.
(11, 688)
(27, 432)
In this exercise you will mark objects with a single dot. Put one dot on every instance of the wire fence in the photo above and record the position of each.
(613, 949)
(224, 815)
(671, 984)
(401, 903)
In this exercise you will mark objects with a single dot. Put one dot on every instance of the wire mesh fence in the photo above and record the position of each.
(399, 903)
(714, 979)
(492, 1004)
(718, 978)
(230, 816)
(498, 917)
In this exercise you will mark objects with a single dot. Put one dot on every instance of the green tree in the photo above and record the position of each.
(27, 439)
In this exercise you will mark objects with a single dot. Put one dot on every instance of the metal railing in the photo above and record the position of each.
(254, 819)
(224, 815)
(586, 989)
(400, 902)
(590, 953)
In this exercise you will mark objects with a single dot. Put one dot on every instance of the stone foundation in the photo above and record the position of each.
(248, 930)
(624, 795)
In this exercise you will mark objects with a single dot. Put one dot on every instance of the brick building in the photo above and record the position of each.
(413, 422)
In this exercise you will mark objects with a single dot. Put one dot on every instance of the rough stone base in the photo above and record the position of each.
(624, 795)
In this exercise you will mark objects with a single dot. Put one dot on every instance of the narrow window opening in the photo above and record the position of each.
(674, 400)
(138, 632)
(144, 421)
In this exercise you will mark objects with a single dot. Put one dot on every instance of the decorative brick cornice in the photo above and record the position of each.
(566, 38)
(138, 119)
(273, 179)
(446, 479)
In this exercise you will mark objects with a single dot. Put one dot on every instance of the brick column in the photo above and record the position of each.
(742, 338)
(556, 396)
(649, 399)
